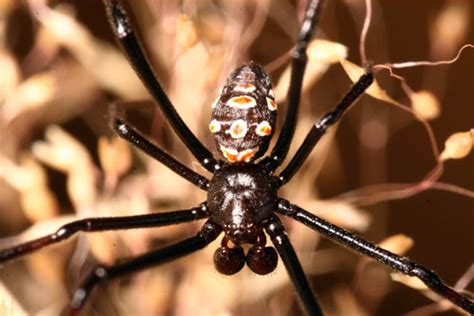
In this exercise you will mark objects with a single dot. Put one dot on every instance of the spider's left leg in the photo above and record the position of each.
(360, 245)
(298, 66)
(127, 132)
(133, 50)
(106, 224)
(318, 129)
(277, 233)
(208, 233)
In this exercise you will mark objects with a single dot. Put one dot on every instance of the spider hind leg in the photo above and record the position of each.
(208, 233)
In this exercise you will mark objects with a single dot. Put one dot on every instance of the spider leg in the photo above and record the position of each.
(298, 66)
(206, 235)
(277, 233)
(360, 245)
(132, 48)
(106, 223)
(130, 134)
(318, 129)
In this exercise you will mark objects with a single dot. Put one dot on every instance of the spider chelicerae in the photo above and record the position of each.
(242, 201)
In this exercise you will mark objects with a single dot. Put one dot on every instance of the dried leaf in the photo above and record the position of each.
(321, 54)
(81, 186)
(6, 6)
(347, 302)
(29, 178)
(326, 52)
(160, 287)
(115, 155)
(25, 176)
(103, 61)
(399, 244)
(186, 34)
(8, 303)
(425, 104)
(458, 145)
(103, 247)
(210, 27)
(48, 265)
(35, 92)
(61, 151)
(450, 28)
(65, 153)
(355, 72)
(342, 214)
(409, 281)
(39, 204)
(9, 76)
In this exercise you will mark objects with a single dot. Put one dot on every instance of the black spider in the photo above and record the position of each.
(242, 197)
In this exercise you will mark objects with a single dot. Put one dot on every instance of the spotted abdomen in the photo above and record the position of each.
(244, 115)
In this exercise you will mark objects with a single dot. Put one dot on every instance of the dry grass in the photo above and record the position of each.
(380, 172)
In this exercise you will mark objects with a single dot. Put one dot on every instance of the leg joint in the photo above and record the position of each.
(425, 275)
(210, 231)
(300, 54)
(286, 208)
(100, 273)
(274, 227)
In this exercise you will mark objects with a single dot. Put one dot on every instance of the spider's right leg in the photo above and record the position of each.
(133, 50)
(106, 223)
(319, 129)
(130, 134)
(277, 233)
(366, 248)
(298, 66)
(207, 234)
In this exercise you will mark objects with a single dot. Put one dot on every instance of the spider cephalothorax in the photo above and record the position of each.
(240, 198)
(244, 115)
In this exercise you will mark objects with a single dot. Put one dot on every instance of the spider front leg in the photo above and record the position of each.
(298, 66)
(208, 233)
(277, 233)
(318, 129)
(360, 245)
(133, 50)
(103, 224)
(130, 134)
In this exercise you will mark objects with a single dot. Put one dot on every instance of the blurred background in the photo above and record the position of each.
(383, 172)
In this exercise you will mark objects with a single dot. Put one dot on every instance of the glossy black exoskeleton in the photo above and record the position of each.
(242, 197)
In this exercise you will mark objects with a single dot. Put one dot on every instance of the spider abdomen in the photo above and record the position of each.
(239, 199)
(244, 115)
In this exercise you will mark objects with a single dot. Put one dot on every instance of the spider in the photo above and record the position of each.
(242, 195)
